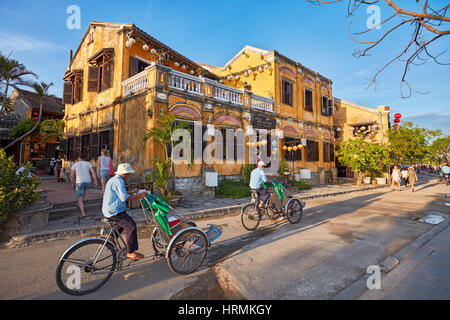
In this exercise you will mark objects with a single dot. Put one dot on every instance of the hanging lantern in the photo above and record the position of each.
(221, 80)
(229, 78)
(264, 142)
(250, 72)
(285, 148)
(177, 64)
(295, 148)
(397, 120)
(153, 51)
(300, 146)
(245, 74)
(183, 67)
(192, 72)
(260, 69)
(267, 66)
(397, 116)
(145, 47)
(132, 40)
(289, 149)
(236, 77)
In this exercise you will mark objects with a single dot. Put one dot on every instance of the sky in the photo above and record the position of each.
(212, 32)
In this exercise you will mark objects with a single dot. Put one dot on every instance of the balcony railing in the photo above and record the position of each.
(198, 86)
(135, 83)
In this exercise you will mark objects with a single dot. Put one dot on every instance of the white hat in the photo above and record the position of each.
(261, 163)
(124, 168)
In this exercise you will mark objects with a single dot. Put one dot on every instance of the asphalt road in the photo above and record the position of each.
(328, 250)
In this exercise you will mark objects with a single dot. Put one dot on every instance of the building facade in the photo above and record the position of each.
(120, 79)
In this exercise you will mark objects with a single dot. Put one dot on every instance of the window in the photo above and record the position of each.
(86, 146)
(106, 140)
(308, 100)
(327, 106)
(137, 65)
(100, 72)
(328, 152)
(292, 155)
(73, 87)
(287, 92)
(71, 149)
(312, 150)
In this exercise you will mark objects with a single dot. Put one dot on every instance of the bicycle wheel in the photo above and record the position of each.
(187, 251)
(85, 267)
(157, 241)
(250, 217)
(294, 211)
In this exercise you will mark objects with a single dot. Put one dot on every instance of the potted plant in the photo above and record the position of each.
(41, 165)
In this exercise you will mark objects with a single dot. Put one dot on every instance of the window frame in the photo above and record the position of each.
(311, 91)
(287, 96)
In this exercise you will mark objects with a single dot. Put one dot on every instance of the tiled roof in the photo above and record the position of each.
(51, 104)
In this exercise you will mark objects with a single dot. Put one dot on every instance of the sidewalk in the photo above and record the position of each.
(190, 208)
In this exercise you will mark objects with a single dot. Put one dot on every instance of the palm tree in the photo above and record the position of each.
(42, 91)
(12, 74)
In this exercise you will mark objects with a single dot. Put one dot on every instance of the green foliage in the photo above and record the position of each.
(363, 156)
(42, 164)
(438, 150)
(410, 144)
(161, 175)
(248, 171)
(23, 127)
(51, 128)
(301, 185)
(16, 190)
(283, 167)
(228, 188)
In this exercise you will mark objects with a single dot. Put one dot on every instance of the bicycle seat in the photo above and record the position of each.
(107, 221)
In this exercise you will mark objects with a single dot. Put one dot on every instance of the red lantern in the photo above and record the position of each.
(397, 120)
(397, 116)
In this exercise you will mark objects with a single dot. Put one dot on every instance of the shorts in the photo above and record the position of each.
(104, 174)
(81, 188)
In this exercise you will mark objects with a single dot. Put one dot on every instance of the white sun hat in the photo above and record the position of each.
(124, 168)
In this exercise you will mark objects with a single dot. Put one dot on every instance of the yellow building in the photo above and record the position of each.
(120, 79)
(352, 120)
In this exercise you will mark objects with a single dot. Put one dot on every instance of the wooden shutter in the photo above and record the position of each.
(316, 151)
(78, 87)
(134, 66)
(106, 74)
(68, 93)
(111, 142)
(331, 152)
(77, 144)
(310, 150)
(330, 107)
(63, 149)
(93, 79)
(325, 152)
(95, 145)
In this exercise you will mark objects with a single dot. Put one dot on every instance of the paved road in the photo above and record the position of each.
(327, 251)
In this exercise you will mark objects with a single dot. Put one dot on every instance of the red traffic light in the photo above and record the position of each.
(397, 116)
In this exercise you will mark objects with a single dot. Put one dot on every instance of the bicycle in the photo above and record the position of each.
(88, 264)
(289, 207)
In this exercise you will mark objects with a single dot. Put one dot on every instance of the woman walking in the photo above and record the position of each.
(103, 163)
(412, 177)
(396, 178)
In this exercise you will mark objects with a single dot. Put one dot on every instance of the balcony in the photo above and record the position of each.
(202, 87)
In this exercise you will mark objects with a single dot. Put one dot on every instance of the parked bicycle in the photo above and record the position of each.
(277, 205)
(88, 264)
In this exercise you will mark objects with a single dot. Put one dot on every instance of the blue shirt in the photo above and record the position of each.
(257, 178)
(115, 197)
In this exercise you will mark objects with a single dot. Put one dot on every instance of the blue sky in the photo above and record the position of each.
(213, 31)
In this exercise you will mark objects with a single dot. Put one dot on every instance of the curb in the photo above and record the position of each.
(89, 230)
(359, 287)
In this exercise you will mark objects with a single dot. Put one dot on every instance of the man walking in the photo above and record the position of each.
(81, 179)
(114, 206)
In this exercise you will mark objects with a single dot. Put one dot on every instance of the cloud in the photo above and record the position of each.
(435, 119)
(18, 42)
(439, 113)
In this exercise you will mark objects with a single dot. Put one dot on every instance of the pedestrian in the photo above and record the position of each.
(52, 166)
(404, 174)
(114, 208)
(395, 178)
(81, 171)
(58, 167)
(412, 177)
(103, 165)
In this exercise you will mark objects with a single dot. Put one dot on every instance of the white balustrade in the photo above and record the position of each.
(261, 103)
(135, 83)
(185, 82)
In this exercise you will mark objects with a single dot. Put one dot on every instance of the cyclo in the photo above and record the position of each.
(88, 264)
(277, 205)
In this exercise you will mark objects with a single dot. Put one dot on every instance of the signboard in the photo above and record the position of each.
(262, 121)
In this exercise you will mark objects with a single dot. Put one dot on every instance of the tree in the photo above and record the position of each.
(439, 150)
(51, 128)
(12, 75)
(42, 91)
(425, 27)
(410, 144)
(365, 157)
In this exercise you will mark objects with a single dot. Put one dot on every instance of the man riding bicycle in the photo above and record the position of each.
(257, 179)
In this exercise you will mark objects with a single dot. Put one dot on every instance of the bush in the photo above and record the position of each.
(16, 190)
(301, 185)
(232, 189)
(248, 171)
